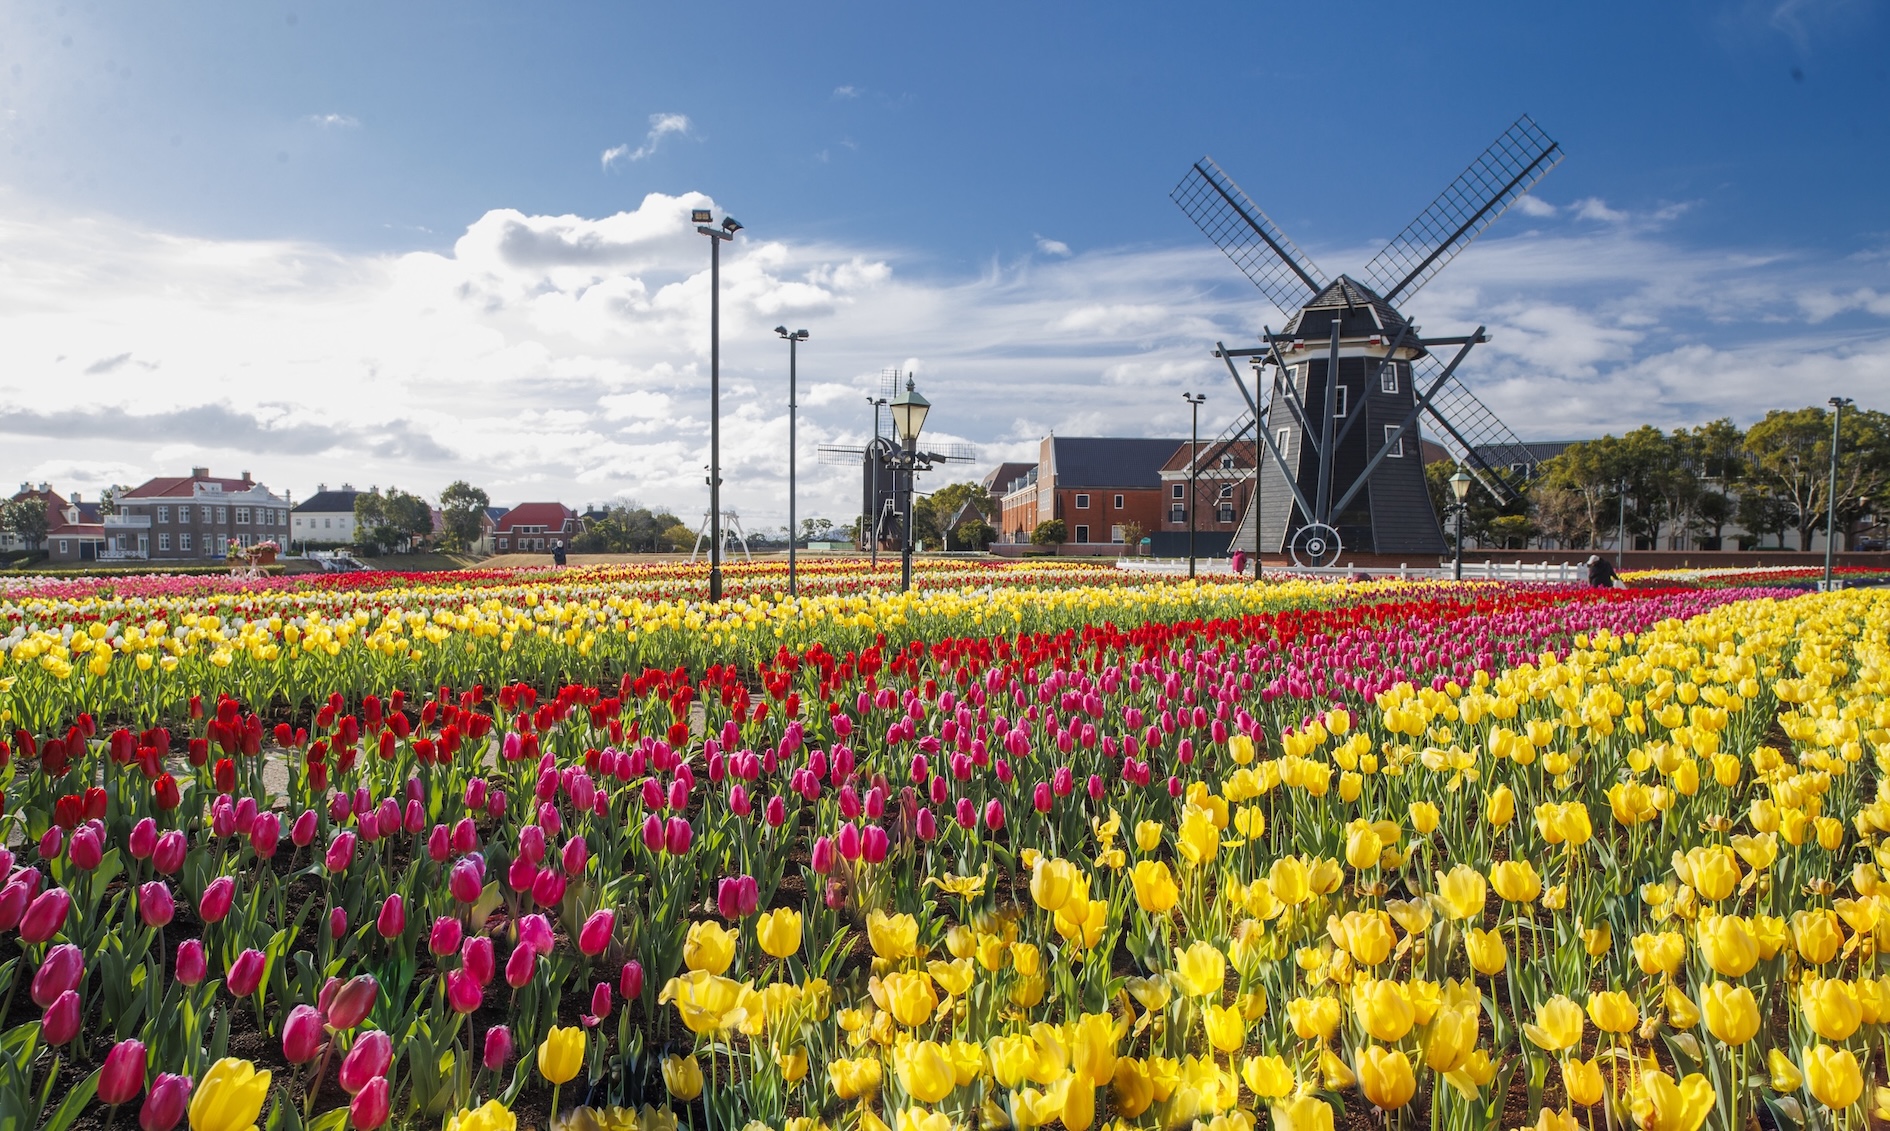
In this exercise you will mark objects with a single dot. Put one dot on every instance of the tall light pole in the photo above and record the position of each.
(1460, 487)
(1830, 517)
(1195, 401)
(704, 222)
(869, 524)
(1620, 538)
(793, 342)
(908, 413)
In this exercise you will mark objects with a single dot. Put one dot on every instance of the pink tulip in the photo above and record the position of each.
(600, 1004)
(60, 1023)
(121, 1077)
(463, 992)
(465, 836)
(302, 1035)
(264, 834)
(498, 1047)
(370, 1107)
(164, 1104)
(244, 817)
(677, 836)
(594, 937)
(439, 845)
(823, 854)
(302, 833)
(927, 825)
(994, 814)
(414, 818)
(444, 937)
(1095, 787)
(577, 854)
(475, 957)
(353, 1002)
(464, 882)
(776, 812)
(169, 854)
(522, 874)
(848, 843)
(337, 923)
(141, 843)
(495, 803)
(217, 900)
(966, 813)
(653, 833)
(531, 843)
(86, 852)
(191, 966)
(630, 983)
(521, 966)
(13, 900)
(246, 973)
(535, 931)
(873, 845)
(548, 888)
(373, 1051)
(62, 970)
(476, 789)
(340, 852)
(155, 905)
(392, 921)
(45, 916)
(51, 843)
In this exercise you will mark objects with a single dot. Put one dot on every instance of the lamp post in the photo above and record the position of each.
(1620, 537)
(1195, 401)
(705, 223)
(1838, 405)
(793, 342)
(869, 524)
(1460, 487)
(908, 413)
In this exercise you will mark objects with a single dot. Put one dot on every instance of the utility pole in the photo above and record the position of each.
(1830, 518)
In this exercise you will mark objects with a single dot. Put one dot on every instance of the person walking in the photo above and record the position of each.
(557, 553)
(1601, 572)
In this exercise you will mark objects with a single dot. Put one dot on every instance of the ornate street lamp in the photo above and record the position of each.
(908, 409)
(1460, 487)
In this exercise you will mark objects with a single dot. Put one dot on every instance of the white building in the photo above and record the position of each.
(324, 517)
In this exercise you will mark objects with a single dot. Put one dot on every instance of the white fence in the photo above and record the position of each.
(1472, 571)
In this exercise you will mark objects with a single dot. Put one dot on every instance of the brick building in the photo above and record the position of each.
(1097, 485)
(186, 518)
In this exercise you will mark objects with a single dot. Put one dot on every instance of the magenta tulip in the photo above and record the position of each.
(576, 854)
(51, 843)
(155, 905)
(594, 936)
(302, 1034)
(465, 836)
(463, 992)
(369, 1058)
(142, 843)
(823, 855)
(521, 966)
(191, 966)
(246, 973)
(495, 803)
(353, 1002)
(439, 844)
(370, 1107)
(164, 1104)
(62, 970)
(464, 882)
(340, 852)
(444, 938)
(548, 888)
(994, 814)
(522, 874)
(776, 812)
(475, 957)
(13, 900)
(1040, 798)
(414, 817)
(873, 844)
(393, 917)
(61, 1021)
(600, 1003)
(498, 1047)
(531, 843)
(302, 833)
(337, 923)
(535, 931)
(847, 841)
(168, 856)
(264, 834)
(677, 835)
(630, 984)
(653, 833)
(121, 1077)
(45, 916)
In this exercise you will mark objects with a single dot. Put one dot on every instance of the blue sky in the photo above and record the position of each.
(260, 218)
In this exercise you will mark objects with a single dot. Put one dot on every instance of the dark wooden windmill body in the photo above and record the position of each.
(1341, 466)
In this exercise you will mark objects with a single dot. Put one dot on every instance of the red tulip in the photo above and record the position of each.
(352, 1002)
(594, 937)
(45, 916)
(217, 899)
(63, 969)
(169, 854)
(302, 1035)
(246, 973)
(443, 938)
(498, 1047)
(393, 918)
(61, 1020)
(121, 1077)
(155, 905)
(370, 1106)
(369, 1058)
(463, 992)
(165, 794)
(191, 966)
(164, 1104)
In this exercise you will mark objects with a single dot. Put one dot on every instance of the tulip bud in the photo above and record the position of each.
(531, 843)
(823, 855)
(535, 931)
(393, 918)
(86, 852)
(495, 803)
(465, 836)
(121, 1077)
(164, 1104)
(521, 966)
(340, 852)
(445, 935)
(13, 901)
(60, 1023)
(302, 1035)
(191, 967)
(143, 842)
(476, 790)
(352, 1002)
(155, 905)
(439, 845)
(677, 835)
(847, 841)
(62, 970)
(463, 992)
(776, 812)
(873, 844)
(246, 973)
(498, 1047)
(475, 957)
(464, 882)
(577, 854)
(548, 888)
(370, 1107)
(45, 916)
(373, 1051)
(600, 1002)
(302, 832)
(594, 937)
(243, 819)
(337, 923)
(630, 984)
(264, 834)
(414, 818)
(994, 814)
(168, 855)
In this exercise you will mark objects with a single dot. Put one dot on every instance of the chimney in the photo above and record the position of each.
(320, 487)
(200, 473)
(45, 488)
(75, 499)
(246, 477)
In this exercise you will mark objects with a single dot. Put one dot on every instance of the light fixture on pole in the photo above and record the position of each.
(1620, 538)
(793, 342)
(1460, 487)
(1838, 405)
(705, 224)
(1195, 401)
(908, 409)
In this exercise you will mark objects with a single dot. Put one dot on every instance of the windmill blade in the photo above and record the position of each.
(1475, 436)
(955, 453)
(838, 454)
(1226, 215)
(1506, 171)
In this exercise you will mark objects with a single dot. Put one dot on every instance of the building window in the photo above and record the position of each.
(1388, 377)
(65, 547)
(1338, 400)
(327, 523)
(1280, 440)
(164, 542)
(183, 541)
(183, 514)
(1177, 513)
(164, 514)
(1394, 441)
(504, 542)
(223, 515)
(1082, 533)
(1082, 504)
(1178, 490)
(1118, 506)
(1227, 512)
(1227, 490)
(1227, 462)
(1115, 534)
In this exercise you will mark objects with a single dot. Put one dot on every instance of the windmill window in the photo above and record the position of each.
(1394, 441)
(1082, 504)
(1282, 437)
(1118, 507)
(1338, 401)
(1388, 378)
(1178, 490)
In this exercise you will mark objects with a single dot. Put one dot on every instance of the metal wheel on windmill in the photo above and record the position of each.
(1339, 391)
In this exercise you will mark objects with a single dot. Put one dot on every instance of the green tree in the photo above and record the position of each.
(1789, 452)
(1050, 532)
(973, 534)
(25, 519)
(462, 506)
(392, 520)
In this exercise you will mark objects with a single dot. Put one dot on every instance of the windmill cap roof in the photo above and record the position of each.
(1360, 311)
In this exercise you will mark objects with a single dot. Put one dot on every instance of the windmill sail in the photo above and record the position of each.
(1505, 172)
(1475, 436)
(1257, 246)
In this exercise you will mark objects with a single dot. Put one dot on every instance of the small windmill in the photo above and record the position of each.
(879, 493)
(1350, 375)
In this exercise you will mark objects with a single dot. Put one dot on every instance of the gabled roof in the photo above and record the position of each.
(551, 516)
(1360, 311)
(1001, 476)
(1111, 461)
(1211, 453)
(328, 502)
(184, 487)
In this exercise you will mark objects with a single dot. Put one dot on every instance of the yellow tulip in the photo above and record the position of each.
(1077, 1108)
(1487, 953)
(1148, 835)
(1051, 882)
(1581, 1080)
(1664, 953)
(1383, 1008)
(1314, 1018)
(708, 1003)
(918, 1119)
(1424, 817)
(1451, 1040)
(489, 1116)
(229, 1097)
(1659, 1104)
(924, 1071)
(910, 997)
(851, 1079)
(561, 1054)
(1152, 993)
(1198, 840)
(682, 1075)
(1728, 944)
(1681, 1012)
(709, 948)
(1199, 970)
(1732, 1014)
(1461, 892)
(1831, 1007)
(1132, 1088)
(1155, 890)
(1817, 935)
(1516, 881)
(1784, 1075)
(893, 937)
(1613, 1011)
(1385, 1077)
(1267, 1077)
(1757, 851)
(1092, 1046)
(1597, 941)
(1366, 935)
(1499, 807)
(1226, 1029)
(968, 1061)
(1362, 846)
(1548, 1119)
(1325, 875)
(793, 1065)
(1834, 1076)
(1558, 1025)
(779, 932)
(1026, 959)
(1302, 1113)
(1289, 881)
(954, 977)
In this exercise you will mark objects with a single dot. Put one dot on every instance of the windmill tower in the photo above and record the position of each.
(1339, 390)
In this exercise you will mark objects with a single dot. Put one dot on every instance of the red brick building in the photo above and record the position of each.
(535, 528)
(1223, 482)
(1098, 486)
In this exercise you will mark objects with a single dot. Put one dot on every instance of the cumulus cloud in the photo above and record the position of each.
(333, 121)
(846, 92)
(1595, 208)
(661, 126)
(1053, 247)
(1535, 206)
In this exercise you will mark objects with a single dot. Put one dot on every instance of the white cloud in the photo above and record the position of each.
(333, 121)
(1535, 206)
(661, 126)
(846, 92)
(567, 356)
(1595, 208)
(1053, 247)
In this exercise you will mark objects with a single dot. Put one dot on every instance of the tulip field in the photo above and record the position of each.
(1033, 845)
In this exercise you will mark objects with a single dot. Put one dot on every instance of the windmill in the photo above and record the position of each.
(1343, 465)
(879, 481)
